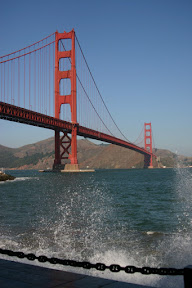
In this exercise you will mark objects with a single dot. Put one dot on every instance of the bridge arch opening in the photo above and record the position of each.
(65, 112)
(64, 64)
(65, 86)
(64, 44)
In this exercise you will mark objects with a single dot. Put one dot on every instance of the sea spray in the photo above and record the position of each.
(129, 217)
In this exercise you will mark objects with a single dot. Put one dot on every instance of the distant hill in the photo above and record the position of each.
(41, 156)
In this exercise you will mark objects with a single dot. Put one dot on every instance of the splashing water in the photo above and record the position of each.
(130, 217)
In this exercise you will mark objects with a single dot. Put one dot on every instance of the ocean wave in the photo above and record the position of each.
(19, 179)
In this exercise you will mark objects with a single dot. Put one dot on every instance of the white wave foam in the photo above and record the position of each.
(19, 179)
(169, 246)
(150, 232)
(25, 178)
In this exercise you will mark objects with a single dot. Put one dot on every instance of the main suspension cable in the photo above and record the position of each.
(100, 93)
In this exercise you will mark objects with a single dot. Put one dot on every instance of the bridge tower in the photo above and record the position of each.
(148, 145)
(65, 146)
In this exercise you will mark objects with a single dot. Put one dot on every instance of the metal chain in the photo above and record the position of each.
(98, 266)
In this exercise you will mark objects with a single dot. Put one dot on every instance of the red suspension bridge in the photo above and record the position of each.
(49, 84)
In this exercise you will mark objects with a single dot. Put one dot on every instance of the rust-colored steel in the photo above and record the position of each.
(65, 146)
(148, 145)
(65, 142)
(17, 114)
(65, 99)
(22, 115)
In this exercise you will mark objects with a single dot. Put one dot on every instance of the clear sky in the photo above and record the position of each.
(139, 51)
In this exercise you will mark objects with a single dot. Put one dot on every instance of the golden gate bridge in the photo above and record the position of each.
(49, 84)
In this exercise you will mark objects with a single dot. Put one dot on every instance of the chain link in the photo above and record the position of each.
(99, 266)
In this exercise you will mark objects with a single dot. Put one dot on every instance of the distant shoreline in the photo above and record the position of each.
(36, 169)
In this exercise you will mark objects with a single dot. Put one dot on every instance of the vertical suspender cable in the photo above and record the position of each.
(1, 83)
(11, 82)
(49, 80)
(19, 81)
(35, 81)
(53, 59)
(38, 76)
(24, 82)
(29, 81)
(39, 80)
(42, 81)
(45, 75)
(8, 84)
(15, 80)
(4, 82)
(14, 98)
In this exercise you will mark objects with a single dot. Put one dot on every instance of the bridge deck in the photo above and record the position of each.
(14, 274)
(18, 114)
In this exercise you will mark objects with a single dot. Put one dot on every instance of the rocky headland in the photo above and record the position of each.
(5, 177)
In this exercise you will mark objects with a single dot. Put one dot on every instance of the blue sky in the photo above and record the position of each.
(139, 52)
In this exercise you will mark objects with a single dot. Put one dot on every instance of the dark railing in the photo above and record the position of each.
(186, 272)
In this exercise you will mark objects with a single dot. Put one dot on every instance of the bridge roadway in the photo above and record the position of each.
(17, 114)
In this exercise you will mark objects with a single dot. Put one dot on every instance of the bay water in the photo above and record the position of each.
(127, 217)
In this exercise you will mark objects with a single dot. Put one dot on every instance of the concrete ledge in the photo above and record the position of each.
(74, 168)
(69, 168)
(78, 171)
(68, 171)
(14, 274)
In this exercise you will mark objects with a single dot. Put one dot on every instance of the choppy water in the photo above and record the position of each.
(128, 217)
